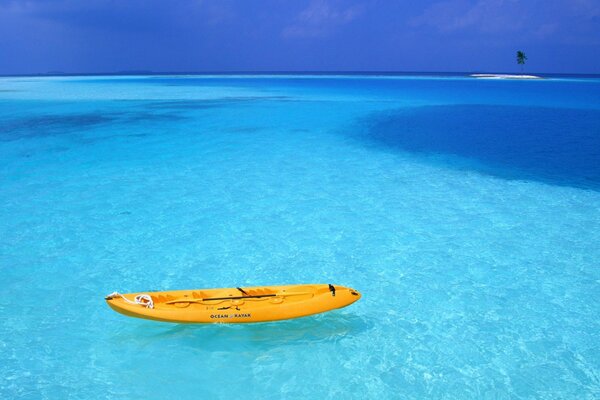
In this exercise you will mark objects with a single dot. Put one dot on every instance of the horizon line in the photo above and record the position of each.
(282, 72)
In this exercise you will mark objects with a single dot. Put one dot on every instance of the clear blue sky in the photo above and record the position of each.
(38, 36)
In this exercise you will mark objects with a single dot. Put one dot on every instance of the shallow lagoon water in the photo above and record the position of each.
(467, 212)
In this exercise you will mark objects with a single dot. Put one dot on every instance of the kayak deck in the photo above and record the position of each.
(234, 305)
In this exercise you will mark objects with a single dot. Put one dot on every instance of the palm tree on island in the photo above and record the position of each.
(521, 58)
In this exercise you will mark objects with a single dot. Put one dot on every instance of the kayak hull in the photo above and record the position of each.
(236, 305)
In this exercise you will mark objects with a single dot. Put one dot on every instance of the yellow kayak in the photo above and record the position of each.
(233, 305)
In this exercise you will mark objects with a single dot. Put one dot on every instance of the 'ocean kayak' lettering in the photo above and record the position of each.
(219, 316)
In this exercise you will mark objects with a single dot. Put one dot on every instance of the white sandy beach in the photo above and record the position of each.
(504, 76)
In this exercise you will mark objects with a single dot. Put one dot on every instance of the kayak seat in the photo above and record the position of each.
(259, 292)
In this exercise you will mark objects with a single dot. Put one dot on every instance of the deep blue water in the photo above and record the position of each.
(466, 211)
(554, 145)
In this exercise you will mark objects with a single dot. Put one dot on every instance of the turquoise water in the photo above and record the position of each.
(467, 212)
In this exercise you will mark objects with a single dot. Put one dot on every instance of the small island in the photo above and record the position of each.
(521, 58)
(504, 76)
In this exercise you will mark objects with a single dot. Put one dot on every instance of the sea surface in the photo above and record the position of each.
(466, 211)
